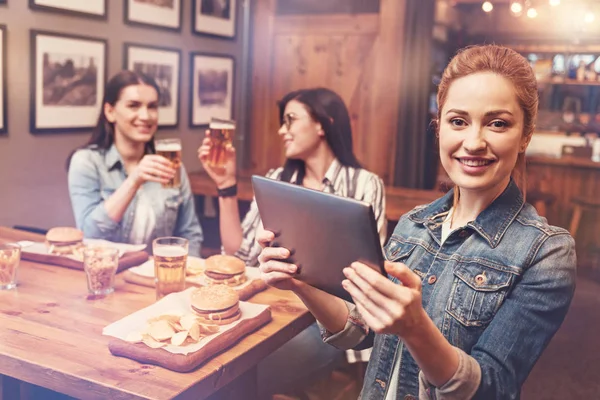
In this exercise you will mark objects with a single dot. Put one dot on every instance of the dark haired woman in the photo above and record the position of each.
(317, 137)
(115, 180)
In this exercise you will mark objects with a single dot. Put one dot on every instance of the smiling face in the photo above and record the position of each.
(135, 114)
(481, 132)
(301, 135)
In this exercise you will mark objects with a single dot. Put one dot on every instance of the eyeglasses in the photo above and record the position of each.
(289, 118)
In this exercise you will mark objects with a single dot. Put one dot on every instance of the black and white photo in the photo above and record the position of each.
(163, 64)
(87, 8)
(211, 94)
(68, 74)
(214, 17)
(163, 14)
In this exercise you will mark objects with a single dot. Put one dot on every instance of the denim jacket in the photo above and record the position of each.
(498, 289)
(95, 174)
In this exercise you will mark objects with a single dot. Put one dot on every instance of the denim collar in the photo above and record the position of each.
(113, 158)
(491, 223)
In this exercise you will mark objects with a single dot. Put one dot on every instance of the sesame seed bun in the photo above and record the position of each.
(224, 264)
(214, 298)
(64, 235)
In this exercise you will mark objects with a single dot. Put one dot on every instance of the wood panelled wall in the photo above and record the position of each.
(358, 56)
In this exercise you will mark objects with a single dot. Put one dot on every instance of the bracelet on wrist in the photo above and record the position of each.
(230, 191)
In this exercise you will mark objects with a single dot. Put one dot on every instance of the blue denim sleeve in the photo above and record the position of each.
(528, 319)
(88, 207)
(187, 225)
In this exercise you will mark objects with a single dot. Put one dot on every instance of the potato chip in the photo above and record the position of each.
(165, 317)
(208, 329)
(187, 321)
(134, 337)
(195, 331)
(161, 330)
(150, 342)
(179, 338)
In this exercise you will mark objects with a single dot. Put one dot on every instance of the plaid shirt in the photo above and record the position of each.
(359, 184)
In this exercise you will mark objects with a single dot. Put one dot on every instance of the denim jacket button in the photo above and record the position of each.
(432, 279)
(480, 279)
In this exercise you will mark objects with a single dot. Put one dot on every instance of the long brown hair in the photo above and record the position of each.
(508, 64)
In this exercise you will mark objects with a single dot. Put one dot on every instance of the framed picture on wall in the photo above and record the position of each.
(214, 17)
(3, 90)
(211, 93)
(163, 14)
(87, 8)
(164, 65)
(68, 74)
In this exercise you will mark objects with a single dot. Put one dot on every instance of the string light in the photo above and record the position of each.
(554, 3)
(532, 13)
(487, 6)
(589, 17)
(516, 7)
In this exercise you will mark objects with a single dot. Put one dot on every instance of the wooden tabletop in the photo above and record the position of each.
(51, 336)
(399, 200)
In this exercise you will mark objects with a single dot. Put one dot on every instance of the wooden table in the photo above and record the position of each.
(51, 336)
(399, 200)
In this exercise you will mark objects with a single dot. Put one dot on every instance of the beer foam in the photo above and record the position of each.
(168, 146)
(222, 125)
(170, 251)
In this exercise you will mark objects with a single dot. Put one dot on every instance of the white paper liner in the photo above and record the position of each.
(178, 304)
(147, 268)
(41, 248)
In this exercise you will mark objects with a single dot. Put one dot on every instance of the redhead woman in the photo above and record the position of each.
(478, 283)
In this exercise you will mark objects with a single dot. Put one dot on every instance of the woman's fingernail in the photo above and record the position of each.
(284, 253)
(346, 271)
(292, 269)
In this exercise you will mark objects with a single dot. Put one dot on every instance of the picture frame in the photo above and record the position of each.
(3, 82)
(212, 90)
(89, 8)
(158, 14)
(214, 18)
(68, 74)
(164, 65)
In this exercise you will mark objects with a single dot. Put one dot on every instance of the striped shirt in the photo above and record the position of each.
(358, 184)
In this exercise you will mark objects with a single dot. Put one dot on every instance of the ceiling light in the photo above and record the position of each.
(554, 3)
(516, 7)
(487, 6)
(589, 17)
(532, 13)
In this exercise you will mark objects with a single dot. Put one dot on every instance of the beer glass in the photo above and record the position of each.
(221, 137)
(171, 150)
(10, 255)
(170, 259)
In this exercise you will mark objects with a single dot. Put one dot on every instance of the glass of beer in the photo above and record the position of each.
(171, 150)
(221, 137)
(10, 256)
(170, 259)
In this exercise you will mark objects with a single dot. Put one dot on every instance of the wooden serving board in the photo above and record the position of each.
(186, 363)
(127, 260)
(245, 291)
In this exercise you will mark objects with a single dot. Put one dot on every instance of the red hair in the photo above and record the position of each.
(508, 64)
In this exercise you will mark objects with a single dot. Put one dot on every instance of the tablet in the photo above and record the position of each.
(325, 233)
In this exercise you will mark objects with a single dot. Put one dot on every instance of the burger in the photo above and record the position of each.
(65, 241)
(216, 305)
(224, 270)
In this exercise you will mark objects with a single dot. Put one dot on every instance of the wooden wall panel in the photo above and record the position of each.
(358, 56)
